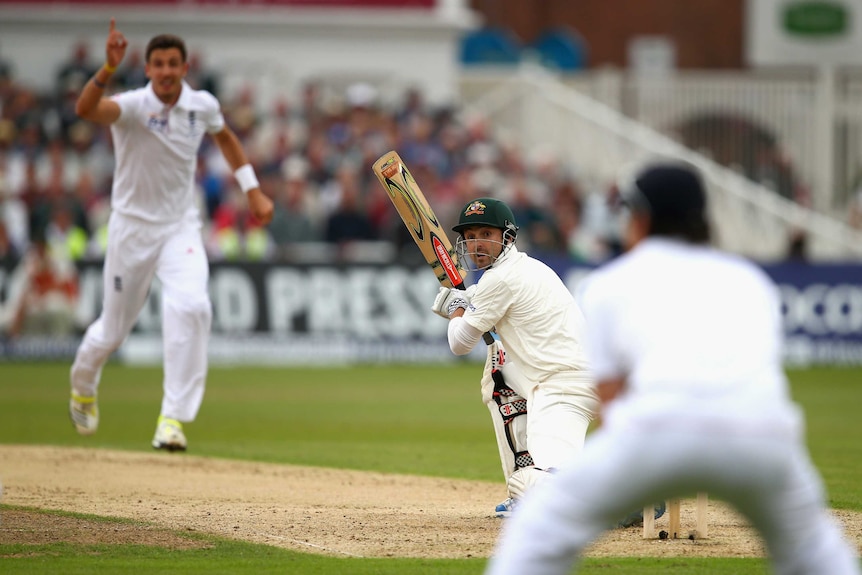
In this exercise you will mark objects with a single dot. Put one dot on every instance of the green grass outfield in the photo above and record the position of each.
(419, 420)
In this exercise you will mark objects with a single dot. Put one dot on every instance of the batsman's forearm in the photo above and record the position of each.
(486, 337)
(462, 336)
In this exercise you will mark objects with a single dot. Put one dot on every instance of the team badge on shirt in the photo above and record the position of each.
(475, 208)
(158, 123)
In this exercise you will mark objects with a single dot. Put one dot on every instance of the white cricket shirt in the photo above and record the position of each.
(534, 314)
(693, 330)
(156, 149)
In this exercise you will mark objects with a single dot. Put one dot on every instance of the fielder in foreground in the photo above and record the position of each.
(542, 413)
(685, 343)
(154, 228)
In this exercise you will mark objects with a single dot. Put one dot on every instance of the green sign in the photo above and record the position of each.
(816, 19)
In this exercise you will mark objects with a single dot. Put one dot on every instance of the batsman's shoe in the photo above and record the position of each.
(505, 508)
(84, 411)
(169, 435)
(636, 518)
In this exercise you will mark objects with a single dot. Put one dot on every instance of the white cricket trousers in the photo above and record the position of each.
(553, 430)
(769, 479)
(137, 251)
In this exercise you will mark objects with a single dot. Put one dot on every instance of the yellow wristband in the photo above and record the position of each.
(109, 69)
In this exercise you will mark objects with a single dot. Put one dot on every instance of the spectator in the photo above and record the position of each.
(598, 238)
(311, 109)
(452, 159)
(420, 147)
(24, 110)
(200, 77)
(412, 107)
(349, 222)
(9, 254)
(70, 80)
(225, 241)
(451, 137)
(277, 137)
(7, 82)
(291, 222)
(320, 159)
(242, 115)
(64, 237)
(537, 225)
(133, 72)
(855, 210)
(75, 72)
(44, 293)
(14, 216)
(797, 245)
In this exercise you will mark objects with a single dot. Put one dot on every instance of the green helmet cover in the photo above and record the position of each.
(486, 212)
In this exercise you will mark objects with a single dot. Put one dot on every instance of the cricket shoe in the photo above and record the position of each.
(505, 508)
(169, 435)
(84, 411)
(637, 518)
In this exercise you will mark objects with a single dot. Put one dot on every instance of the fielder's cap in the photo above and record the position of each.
(486, 212)
(668, 192)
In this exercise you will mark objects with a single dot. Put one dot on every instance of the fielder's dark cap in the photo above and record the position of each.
(668, 192)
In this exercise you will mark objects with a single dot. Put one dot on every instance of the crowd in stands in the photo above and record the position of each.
(313, 157)
(312, 153)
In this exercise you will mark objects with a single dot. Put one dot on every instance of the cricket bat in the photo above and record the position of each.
(416, 212)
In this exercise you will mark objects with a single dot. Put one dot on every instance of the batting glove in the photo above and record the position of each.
(448, 300)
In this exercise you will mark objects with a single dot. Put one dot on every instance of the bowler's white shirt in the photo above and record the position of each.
(156, 148)
(534, 314)
(693, 330)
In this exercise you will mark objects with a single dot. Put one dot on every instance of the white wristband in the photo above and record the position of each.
(246, 178)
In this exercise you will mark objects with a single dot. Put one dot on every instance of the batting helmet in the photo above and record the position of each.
(487, 212)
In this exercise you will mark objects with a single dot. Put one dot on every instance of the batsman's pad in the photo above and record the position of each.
(513, 411)
(508, 414)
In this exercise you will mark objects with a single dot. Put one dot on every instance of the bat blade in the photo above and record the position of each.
(419, 217)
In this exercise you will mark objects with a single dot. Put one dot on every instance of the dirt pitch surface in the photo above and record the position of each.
(337, 512)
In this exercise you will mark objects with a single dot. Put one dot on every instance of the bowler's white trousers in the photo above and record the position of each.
(138, 251)
(768, 477)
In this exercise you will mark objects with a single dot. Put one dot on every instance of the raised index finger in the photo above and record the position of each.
(112, 26)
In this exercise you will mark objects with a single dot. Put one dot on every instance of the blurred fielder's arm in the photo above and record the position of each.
(260, 205)
(608, 389)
